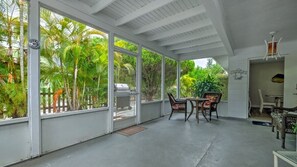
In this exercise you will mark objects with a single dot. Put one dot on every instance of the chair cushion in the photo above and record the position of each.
(211, 98)
(178, 106)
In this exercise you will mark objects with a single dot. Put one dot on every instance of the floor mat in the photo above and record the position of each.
(261, 123)
(131, 130)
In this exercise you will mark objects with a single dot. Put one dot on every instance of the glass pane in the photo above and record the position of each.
(125, 84)
(13, 59)
(187, 78)
(170, 77)
(151, 75)
(125, 44)
(203, 75)
(74, 65)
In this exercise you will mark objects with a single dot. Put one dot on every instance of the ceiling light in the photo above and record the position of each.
(272, 47)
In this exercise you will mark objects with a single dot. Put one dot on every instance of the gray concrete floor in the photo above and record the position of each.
(174, 143)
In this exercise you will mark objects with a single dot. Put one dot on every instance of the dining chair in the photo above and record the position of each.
(177, 105)
(211, 105)
(264, 104)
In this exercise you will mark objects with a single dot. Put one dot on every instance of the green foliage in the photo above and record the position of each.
(208, 84)
(151, 75)
(74, 58)
(13, 91)
(187, 85)
(198, 80)
(170, 76)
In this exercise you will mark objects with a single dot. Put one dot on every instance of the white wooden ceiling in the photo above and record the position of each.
(190, 29)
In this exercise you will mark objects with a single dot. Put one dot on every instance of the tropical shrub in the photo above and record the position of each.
(208, 84)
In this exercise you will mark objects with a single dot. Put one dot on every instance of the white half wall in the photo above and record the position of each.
(14, 142)
(62, 131)
(150, 110)
(223, 109)
(167, 107)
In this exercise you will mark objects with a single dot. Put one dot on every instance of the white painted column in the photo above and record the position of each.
(110, 82)
(163, 86)
(33, 81)
(178, 79)
(138, 84)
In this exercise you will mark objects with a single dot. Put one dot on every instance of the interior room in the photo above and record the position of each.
(115, 83)
(268, 76)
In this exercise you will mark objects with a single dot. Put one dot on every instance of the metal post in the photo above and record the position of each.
(138, 84)
(110, 82)
(163, 86)
(34, 79)
(178, 79)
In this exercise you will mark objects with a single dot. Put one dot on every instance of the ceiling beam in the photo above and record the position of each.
(198, 42)
(180, 30)
(142, 11)
(188, 37)
(171, 19)
(212, 12)
(200, 48)
(204, 54)
(100, 5)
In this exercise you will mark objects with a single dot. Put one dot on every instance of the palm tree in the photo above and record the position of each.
(68, 45)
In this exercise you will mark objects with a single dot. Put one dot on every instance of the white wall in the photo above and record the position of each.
(14, 142)
(150, 110)
(62, 131)
(238, 89)
(260, 78)
(290, 85)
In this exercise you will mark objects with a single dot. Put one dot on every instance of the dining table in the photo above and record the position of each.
(197, 101)
(277, 99)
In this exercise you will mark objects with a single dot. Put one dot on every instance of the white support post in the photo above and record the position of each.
(163, 86)
(33, 81)
(178, 79)
(138, 84)
(110, 82)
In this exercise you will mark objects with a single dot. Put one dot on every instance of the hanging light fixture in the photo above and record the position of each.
(272, 47)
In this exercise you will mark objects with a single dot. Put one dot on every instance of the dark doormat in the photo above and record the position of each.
(261, 123)
(131, 130)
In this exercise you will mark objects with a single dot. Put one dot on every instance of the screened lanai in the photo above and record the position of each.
(76, 70)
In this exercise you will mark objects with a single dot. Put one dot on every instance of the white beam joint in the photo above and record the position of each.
(215, 17)
(188, 37)
(194, 43)
(100, 5)
(142, 11)
(200, 48)
(171, 19)
(180, 30)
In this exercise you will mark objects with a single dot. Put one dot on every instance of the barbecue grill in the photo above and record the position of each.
(122, 93)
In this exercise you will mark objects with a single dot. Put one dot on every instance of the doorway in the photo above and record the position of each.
(265, 79)
(125, 90)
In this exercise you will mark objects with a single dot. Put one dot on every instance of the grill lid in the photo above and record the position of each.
(121, 87)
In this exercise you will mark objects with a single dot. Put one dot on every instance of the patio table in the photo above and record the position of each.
(197, 101)
(277, 99)
(288, 156)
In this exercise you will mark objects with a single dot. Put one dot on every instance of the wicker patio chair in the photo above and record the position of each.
(212, 104)
(177, 105)
(284, 119)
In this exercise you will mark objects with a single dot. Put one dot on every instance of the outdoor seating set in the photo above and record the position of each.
(207, 103)
(283, 120)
